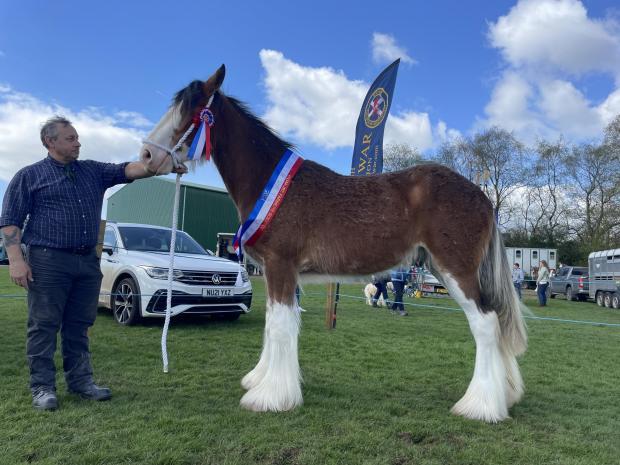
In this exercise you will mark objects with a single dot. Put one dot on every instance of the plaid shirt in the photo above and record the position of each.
(63, 201)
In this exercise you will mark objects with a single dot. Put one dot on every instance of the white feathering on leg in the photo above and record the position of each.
(280, 386)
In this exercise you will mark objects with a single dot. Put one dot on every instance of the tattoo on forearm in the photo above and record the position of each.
(11, 238)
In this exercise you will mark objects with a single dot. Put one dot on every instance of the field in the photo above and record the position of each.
(378, 390)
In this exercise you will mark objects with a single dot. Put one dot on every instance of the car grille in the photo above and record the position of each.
(158, 302)
(205, 278)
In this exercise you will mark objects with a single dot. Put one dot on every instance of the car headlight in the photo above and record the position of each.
(161, 273)
(245, 277)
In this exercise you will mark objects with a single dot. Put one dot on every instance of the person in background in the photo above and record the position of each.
(381, 285)
(542, 282)
(517, 278)
(62, 199)
(399, 279)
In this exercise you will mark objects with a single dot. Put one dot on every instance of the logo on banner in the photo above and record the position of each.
(375, 110)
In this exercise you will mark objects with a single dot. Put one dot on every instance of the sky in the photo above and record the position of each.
(539, 68)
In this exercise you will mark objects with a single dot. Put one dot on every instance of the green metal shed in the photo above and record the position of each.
(203, 211)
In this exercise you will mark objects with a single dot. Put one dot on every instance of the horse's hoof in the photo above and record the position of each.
(475, 409)
(258, 400)
(252, 379)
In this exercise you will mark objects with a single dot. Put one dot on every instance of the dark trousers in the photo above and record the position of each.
(518, 289)
(381, 289)
(399, 288)
(542, 293)
(63, 297)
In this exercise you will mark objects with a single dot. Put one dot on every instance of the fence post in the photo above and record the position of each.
(330, 307)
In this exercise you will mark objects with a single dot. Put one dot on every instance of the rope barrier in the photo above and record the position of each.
(358, 298)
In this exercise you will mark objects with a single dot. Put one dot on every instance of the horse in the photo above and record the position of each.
(322, 229)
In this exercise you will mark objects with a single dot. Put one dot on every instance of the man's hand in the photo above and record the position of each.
(20, 272)
(182, 169)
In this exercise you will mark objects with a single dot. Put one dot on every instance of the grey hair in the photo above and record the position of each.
(50, 128)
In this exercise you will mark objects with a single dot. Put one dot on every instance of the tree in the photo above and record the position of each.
(545, 207)
(400, 156)
(595, 191)
(457, 155)
(499, 157)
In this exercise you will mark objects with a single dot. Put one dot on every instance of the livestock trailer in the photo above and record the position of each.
(529, 257)
(604, 269)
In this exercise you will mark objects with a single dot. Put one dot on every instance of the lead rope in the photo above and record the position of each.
(173, 239)
(173, 242)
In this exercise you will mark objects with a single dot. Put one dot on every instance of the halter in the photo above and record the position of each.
(179, 144)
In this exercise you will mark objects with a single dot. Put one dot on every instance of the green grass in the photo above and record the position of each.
(377, 391)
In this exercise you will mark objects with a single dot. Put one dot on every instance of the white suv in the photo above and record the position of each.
(135, 261)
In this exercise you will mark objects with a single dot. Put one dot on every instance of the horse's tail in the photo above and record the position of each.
(498, 294)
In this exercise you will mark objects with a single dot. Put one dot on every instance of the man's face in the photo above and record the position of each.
(66, 147)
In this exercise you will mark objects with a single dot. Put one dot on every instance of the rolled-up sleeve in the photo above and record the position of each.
(17, 201)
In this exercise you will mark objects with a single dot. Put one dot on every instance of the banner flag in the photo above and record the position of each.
(368, 149)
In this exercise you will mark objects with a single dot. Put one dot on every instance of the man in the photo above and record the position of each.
(61, 199)
(399, 279)
(517, 278)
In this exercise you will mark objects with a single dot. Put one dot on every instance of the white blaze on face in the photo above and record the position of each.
(163, 135)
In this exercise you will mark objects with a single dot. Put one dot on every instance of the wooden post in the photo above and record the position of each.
(330, 307)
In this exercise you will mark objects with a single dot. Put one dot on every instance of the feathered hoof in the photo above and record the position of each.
(252, 379)
(514, 393)
(263, 399)
(478, 406)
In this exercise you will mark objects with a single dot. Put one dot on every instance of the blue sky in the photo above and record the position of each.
(538, 68)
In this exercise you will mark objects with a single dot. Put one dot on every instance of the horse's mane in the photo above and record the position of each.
(192, 97)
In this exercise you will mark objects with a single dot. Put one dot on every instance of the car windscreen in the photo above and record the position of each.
(158, 240)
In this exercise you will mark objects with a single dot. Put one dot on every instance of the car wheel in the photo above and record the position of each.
(599, 299)
(126, 302)
(607, 300)
(569, 293)
(615, 300)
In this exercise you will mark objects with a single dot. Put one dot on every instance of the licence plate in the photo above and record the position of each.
(210, 292)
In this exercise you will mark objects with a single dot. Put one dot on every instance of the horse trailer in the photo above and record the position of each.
(604, 268)
(530, 257)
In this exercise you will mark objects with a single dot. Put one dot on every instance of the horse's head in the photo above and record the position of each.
(156, 152)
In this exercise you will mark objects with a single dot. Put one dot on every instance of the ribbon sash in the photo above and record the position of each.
(268, 203)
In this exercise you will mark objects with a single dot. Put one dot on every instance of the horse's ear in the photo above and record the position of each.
(214, 82)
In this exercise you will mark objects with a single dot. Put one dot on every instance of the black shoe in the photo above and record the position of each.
(93, 392)
(44, 399)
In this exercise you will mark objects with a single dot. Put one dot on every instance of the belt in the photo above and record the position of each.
(73, 251)
(79, 250)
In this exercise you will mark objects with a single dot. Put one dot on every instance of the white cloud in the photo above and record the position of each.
(548, 45)
(556, 34)
(321, 106)
(21, 116)
(385, 50)
(509, 108)
(567, 108)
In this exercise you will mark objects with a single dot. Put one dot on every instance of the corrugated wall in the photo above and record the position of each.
(206, 213)
(203, 212)
(147, 201)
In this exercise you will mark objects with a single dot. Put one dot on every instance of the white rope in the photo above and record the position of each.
(173, 240)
